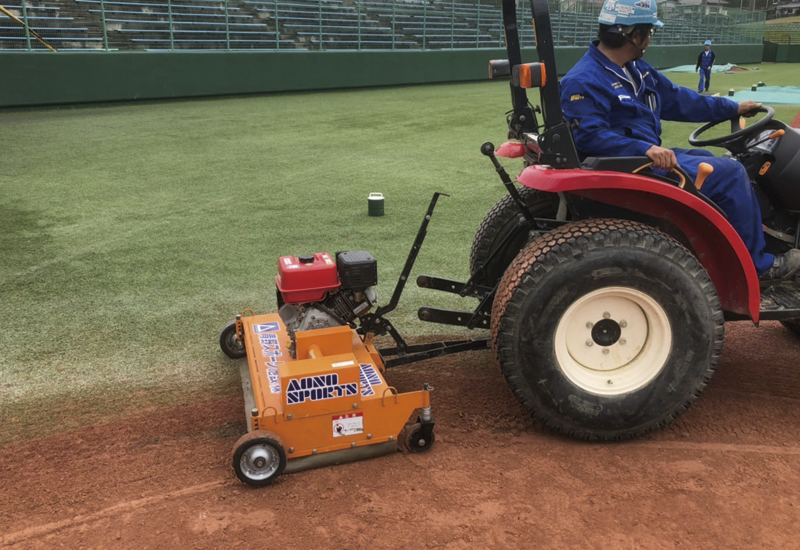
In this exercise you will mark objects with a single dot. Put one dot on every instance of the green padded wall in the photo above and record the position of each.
(44, 78)
(781, 53)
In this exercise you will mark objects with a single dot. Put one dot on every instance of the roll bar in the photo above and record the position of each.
(555, 137)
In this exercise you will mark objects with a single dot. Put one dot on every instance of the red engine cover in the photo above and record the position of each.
(300, 282)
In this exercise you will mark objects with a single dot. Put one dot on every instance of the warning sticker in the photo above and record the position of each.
(348, 424)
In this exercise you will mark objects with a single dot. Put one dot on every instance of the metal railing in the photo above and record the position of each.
(782, 33)
(107, 25)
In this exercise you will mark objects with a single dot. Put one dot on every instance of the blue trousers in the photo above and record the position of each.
(730, 188)
(704, 73)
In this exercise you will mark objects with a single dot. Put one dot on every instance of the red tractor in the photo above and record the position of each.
(605, 286)
(609, 285)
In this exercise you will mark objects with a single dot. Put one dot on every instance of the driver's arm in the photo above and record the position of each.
(685, 105)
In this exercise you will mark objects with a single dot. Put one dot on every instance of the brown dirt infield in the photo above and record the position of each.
(796, 121)
(725, 475)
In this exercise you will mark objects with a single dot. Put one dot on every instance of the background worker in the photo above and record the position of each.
(618, 101)
(704, 63)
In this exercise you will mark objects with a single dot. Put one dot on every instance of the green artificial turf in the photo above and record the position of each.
(131, 234)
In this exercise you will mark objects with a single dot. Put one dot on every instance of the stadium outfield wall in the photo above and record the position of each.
(64, 78)
(781, 53)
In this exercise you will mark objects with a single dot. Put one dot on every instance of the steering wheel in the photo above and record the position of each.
(737, 131)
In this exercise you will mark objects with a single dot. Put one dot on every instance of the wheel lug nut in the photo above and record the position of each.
(589, 324)
(605, 351)
(606, 315)
(623, 324)
(589, 343)
(622, 342)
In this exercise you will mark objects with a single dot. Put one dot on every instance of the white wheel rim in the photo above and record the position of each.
(259, 462)
(613, 341)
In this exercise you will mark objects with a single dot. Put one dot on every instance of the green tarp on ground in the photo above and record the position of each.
(771, 95)
(690, 68)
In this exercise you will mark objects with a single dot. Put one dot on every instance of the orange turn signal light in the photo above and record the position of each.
(529, 75)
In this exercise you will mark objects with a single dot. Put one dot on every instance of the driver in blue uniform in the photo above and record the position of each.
(618, 101)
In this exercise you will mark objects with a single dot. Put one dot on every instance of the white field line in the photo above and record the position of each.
(111, 511)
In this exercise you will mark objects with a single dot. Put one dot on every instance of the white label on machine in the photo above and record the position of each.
(342, 364)
(271, 350)
(348, 424)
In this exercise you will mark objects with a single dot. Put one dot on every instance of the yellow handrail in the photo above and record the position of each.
(30, 30)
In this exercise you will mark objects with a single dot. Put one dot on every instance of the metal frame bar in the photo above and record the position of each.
(25, 20)
(227, 28)
(171, 29)
(103, 21)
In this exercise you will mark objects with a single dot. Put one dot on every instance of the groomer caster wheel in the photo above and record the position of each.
(259, 458)
(230, 346)
(417, 439)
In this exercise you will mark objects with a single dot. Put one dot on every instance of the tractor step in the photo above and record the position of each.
(780, 302)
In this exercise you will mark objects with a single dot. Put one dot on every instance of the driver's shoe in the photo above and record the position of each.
(784, 267)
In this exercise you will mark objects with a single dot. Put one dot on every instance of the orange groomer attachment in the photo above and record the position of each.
(315, 391)
(324, 402)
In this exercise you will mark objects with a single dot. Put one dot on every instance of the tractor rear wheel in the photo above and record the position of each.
(259, 458)
(606, 329)
(498, 223)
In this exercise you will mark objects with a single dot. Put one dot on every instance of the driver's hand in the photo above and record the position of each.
(747, 108)
(662, 158)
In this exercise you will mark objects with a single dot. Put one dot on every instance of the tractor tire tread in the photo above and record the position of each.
(496, 221)
(792, 325)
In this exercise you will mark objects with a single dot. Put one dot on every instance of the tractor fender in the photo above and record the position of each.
(715, 243)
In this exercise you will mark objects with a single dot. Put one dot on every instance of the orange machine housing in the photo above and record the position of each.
(327, 394)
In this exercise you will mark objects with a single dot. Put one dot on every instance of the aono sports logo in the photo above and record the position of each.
(318, 388)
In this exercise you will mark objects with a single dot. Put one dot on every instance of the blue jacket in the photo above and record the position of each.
(705, 60)
(620, 117)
